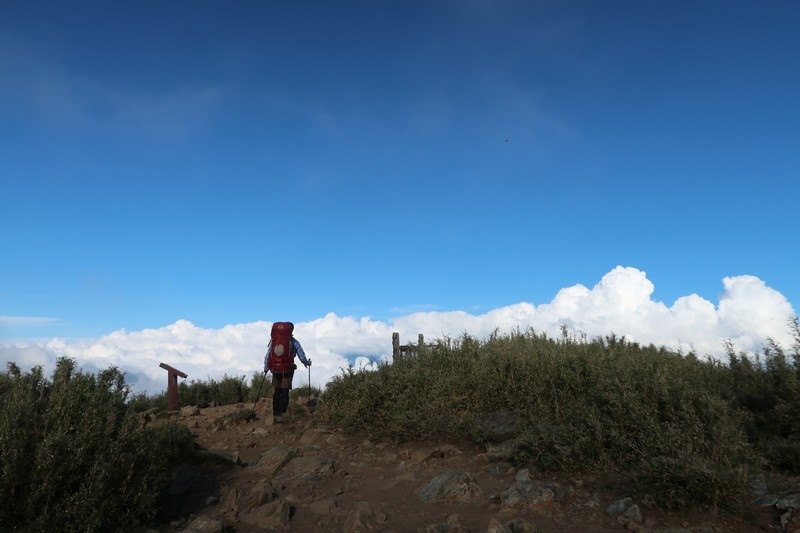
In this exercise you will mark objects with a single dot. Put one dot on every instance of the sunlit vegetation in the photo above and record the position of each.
(75, 457)
(688, 430)
(79, 452)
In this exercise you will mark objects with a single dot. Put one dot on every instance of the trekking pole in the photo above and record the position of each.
(311, 403)
(259, 391)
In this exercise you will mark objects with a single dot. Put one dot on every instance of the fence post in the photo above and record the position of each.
(395, 346)
(420, 343)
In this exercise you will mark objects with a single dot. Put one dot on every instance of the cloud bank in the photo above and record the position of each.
(748, 313)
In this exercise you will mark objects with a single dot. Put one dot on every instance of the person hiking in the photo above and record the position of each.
(279, 360)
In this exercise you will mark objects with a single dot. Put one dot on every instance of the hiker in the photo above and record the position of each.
(279, 360)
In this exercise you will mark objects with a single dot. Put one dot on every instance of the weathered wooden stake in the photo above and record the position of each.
(172, 385)
(395, 346)
(398, 350)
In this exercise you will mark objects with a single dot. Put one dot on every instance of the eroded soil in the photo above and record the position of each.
(387, 477)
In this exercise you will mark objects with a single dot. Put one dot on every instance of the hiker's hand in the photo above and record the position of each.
(308, 364)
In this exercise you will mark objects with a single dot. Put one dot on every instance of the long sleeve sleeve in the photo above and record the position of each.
(298, 350)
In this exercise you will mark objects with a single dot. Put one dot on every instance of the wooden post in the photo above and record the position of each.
(172, 385)
(420, 343)
(395, 346)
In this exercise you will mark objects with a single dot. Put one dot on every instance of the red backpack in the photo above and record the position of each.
(281, 357)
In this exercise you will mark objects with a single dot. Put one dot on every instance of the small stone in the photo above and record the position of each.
(633, 513)
(618, 507)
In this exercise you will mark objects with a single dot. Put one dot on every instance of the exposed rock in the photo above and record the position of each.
(500, 469)
(326, 507)
(451, 524)
(149, 415)
(204, 524)
(791, 501)
(619, 506)
(307, 469)
(495, 526)
(336, 439)
(271, 462)
(453, 486)
(503, 452)
(518, 525)
(767, 500)
(363, 517)
(302, 477)
(315, 436)
(242, 499)
(231, 456)
(531, 495)
(633, 513)
(786, 520)
(443, 452)
(627, 512)
(190, 410)
(758, 484)
(273, 515)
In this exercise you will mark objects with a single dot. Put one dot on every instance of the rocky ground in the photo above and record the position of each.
(303, 476)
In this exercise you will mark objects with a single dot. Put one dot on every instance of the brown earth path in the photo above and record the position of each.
(375, 486)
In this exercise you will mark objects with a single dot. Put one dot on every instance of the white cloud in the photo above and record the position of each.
(25, 321)
(748, 313)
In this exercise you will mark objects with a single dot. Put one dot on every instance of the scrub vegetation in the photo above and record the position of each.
(688, 431)
(79, 452)
(75, 457)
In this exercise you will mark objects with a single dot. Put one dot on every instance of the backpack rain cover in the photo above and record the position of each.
(281, 359)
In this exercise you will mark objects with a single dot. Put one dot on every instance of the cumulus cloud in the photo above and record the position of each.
(748, 313)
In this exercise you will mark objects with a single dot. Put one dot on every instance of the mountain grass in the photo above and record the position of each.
(687, 430)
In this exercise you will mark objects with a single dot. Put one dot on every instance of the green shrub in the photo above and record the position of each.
(604, 404)
(73, 454)
(203, 394)
(766, 390)
(674, 483)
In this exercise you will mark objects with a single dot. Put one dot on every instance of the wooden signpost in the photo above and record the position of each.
(172, 385)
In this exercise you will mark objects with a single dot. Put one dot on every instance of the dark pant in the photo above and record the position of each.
(281, 385)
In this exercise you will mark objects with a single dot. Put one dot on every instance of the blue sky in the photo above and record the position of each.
(233, 163)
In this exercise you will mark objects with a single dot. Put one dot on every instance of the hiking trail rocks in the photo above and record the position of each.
(302, 476)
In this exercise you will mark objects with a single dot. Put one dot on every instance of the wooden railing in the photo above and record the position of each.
(398, 350)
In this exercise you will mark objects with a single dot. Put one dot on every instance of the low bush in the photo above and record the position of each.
(230, 390)
(601, 404)
(74, 455)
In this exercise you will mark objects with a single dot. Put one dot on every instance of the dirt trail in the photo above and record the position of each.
(389, 477)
